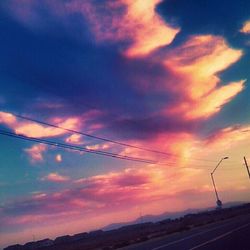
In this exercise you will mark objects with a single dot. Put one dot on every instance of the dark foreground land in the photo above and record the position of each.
(218, 229)
(230, 234)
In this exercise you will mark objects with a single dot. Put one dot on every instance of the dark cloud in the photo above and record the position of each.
(54, 66)
(133, 128)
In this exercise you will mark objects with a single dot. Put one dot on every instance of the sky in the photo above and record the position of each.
(169, 76)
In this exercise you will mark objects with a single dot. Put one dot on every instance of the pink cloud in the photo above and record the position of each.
(192, 68)
(110, 197)
(135, 21)
(36, 130)
(139, 23)
(98, 146)
(137, 177)
(58, 158)
(7, 118)
(36, 152)
(75, 139)
(133, 185)
(231, 141)
(197, 62)
(101, 192)
(57, 209)
(55, 177)
(46, 224)
(33, 129)
(175, 147)
(149, 31)
(213, 103)
(228, 135)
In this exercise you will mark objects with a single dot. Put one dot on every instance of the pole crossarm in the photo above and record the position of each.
(224, 158)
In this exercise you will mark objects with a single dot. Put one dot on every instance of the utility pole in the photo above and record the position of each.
(245, 160)
(215, 189)
(218, 201)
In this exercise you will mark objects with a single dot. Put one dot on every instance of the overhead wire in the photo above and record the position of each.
(105, 139)
(76, 148)
(104, 153)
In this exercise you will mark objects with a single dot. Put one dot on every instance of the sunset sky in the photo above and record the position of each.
(169, 76)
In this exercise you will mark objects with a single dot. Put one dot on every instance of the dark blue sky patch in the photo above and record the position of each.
(206, 16)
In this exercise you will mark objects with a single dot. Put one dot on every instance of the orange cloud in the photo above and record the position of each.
(98, 146)
(175, 148)
(197, 62)
(153, 189)
(231, 141)
(149, 31)
(74, 138)
(103, 192)
(33, 129)
(133, 20)
(7, 118)
(228, 135)
(212, 103)
(246, 28)
(36, 130)
(147, 183)
(58, 158)
(36, 152)
(55, 177)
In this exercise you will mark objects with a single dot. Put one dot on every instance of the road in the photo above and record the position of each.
(233, 234)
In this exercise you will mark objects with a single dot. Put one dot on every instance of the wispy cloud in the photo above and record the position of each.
(102, 192)
(36, 152)
(75, 139)
(198, 61)
(227, 136)
(136, 22)
(33, 129)
(55, 177)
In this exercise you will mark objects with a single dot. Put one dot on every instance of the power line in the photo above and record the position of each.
(76, 148)
(89, 135)
(99, 152)
(103, 138)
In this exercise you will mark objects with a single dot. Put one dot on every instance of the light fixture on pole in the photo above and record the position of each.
(218, 201)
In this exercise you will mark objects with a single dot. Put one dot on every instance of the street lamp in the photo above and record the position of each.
(218, 201)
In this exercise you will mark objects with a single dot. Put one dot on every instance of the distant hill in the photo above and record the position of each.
(144, 228)
(164, 216)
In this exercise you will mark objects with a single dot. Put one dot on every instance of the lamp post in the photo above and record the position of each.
(218, 201)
